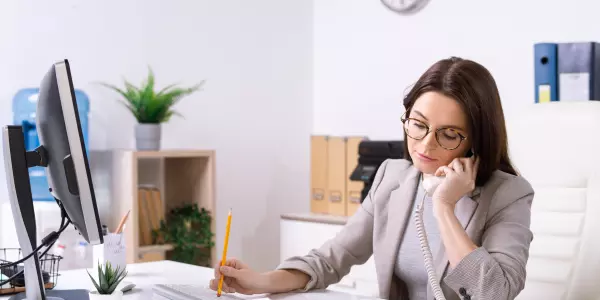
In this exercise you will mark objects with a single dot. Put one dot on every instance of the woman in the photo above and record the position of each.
(477, 220)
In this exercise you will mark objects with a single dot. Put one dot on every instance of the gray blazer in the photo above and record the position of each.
(496, 217)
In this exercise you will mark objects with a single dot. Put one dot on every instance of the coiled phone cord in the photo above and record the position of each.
(435, 286)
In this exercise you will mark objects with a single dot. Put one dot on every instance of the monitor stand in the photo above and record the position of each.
(16, 163)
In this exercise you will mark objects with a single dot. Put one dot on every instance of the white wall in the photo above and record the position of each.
(255, 109)
(366, 57)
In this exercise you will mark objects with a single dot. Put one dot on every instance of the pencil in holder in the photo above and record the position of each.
(113, 251)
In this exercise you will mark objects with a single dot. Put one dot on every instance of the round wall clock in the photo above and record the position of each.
(405, 7)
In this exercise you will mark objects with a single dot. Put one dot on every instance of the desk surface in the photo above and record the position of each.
(145, 275)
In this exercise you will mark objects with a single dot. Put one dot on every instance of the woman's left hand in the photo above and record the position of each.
(460, 179)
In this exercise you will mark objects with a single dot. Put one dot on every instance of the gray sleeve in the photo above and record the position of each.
(351, 246)
(496, 270)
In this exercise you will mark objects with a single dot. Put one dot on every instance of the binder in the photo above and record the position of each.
(150, 214)
(318, 174)
(336, 176)
(578, 71)
(353, 188)
(546, 72)
(145, 227)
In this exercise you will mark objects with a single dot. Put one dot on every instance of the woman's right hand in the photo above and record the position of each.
(239, 278)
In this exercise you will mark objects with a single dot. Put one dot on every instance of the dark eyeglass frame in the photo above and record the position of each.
(404, 119)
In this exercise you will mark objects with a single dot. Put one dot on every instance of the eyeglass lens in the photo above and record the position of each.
(447, 137)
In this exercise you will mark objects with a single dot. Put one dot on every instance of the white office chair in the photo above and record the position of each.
(556, 146)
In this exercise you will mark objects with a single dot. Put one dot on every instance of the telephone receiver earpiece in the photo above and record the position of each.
(470, 153)
(430, 183)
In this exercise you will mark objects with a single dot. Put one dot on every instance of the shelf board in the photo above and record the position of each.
(174, 153)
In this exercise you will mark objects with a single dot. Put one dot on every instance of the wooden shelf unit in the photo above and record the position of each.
(182, 176)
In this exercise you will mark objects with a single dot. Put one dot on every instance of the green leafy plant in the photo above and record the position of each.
(108, 278)
(149, 106)
(188, 230)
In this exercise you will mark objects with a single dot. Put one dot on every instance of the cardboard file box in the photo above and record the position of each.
(319, 176)
(353, 188)
(336, 176)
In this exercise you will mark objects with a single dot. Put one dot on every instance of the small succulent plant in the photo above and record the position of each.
(108, 278)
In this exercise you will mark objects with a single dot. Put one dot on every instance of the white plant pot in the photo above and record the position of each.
(116, 295)
(147, 137)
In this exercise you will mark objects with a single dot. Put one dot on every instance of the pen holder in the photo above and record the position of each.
(113, 251)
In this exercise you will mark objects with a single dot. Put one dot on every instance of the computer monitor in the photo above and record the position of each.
(63, 153)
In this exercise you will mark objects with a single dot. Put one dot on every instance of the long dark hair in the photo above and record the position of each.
(475, 89)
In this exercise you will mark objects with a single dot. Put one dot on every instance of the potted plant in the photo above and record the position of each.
(151, 108)
(108, 280)
(188, 230)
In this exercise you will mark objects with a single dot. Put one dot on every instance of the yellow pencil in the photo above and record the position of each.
(224, 251)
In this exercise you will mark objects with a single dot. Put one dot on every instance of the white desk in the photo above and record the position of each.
(145, 275)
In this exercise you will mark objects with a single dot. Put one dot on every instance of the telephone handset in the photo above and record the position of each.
(430, 183)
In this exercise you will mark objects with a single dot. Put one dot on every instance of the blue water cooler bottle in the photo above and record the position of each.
(24, 108)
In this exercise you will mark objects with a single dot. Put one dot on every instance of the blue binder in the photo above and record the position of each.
(546, 73)
(579, 71)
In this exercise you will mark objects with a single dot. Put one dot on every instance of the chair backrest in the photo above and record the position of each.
(556, 146)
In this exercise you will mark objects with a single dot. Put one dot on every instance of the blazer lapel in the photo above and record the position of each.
(465, 208)
(398, 212)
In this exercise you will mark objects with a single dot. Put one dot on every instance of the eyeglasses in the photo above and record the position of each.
(447, 138)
